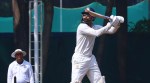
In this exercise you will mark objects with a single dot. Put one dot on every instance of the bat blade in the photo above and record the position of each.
(95, 14)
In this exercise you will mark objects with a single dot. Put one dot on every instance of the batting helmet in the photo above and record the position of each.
(91, 9)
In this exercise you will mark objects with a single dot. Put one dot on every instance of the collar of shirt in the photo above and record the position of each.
(20, 64)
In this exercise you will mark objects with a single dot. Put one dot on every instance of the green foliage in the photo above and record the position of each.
(5, 8)
(142, 26)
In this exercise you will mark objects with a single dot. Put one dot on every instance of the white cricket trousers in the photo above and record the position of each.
(82, 66)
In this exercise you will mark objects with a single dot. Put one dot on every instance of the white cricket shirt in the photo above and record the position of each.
(86, 35)
(23, 72)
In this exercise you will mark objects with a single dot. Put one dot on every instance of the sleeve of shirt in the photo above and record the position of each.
(90, 31)
(112, 30)
(31, 76)
(9, 75)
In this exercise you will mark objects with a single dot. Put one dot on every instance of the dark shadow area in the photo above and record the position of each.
(61, 50)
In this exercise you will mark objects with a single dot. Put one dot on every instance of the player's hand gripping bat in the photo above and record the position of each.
(115, 20)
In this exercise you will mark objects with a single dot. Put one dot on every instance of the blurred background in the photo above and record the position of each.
(122, 57)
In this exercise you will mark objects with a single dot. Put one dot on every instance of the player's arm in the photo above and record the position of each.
(98, 32)
(31, 76)
(117, 20)
(113, 29)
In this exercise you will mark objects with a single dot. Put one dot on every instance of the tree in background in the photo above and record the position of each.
(109, 6)
(21, 24)
(48, 18)
(121, 9)
(142, 26)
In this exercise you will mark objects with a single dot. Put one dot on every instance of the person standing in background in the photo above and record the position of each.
(20, 70)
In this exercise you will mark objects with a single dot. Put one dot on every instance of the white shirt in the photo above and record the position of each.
(86, 35)
(23, 72)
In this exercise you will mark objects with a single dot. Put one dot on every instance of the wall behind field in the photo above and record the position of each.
(61, 50)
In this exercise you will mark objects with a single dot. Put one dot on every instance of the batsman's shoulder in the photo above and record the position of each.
(82, 26)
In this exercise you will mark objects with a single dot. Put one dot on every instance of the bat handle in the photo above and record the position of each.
(108, 18)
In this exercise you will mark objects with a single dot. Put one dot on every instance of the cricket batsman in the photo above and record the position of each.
(83, 61)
